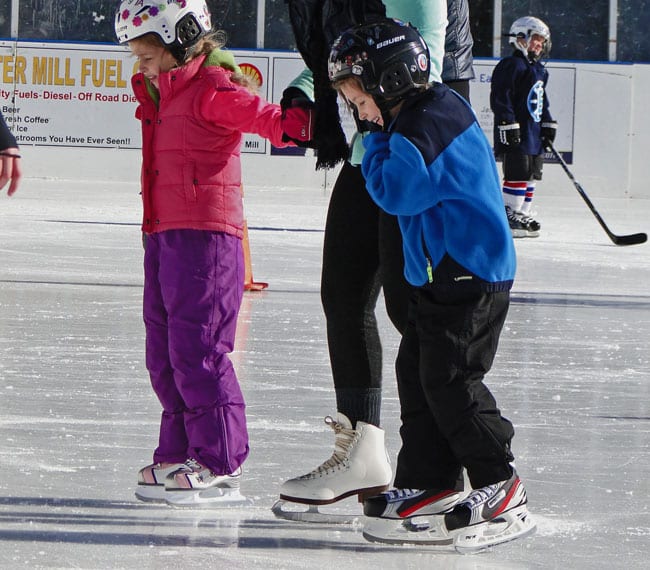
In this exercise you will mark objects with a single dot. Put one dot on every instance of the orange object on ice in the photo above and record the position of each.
(249, 283)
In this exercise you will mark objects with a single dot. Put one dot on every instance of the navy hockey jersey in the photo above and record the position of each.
(518, 95)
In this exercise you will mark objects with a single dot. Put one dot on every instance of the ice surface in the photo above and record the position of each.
(78, 418)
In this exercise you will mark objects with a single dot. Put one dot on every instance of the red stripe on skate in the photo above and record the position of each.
(424, 503)
(508, 497)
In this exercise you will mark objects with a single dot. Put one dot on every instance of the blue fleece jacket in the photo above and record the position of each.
(435, 170)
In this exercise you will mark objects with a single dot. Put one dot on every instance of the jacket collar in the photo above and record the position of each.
(177, 78)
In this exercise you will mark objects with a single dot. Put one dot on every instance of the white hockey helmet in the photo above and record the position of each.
(178, 23)
(521, 31)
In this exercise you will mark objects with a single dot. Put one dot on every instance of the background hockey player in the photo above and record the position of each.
(433, 168)
(523, 125)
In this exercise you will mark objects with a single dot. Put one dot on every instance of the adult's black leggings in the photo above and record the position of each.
(362, 253)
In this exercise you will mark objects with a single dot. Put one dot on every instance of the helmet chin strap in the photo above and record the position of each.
(178, 52)
(385, 107)
(534, 57)
(181, 53)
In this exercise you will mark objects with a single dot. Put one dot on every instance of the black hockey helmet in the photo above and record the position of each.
(388, 56)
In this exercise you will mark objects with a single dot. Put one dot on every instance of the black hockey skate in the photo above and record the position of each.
(489, 516)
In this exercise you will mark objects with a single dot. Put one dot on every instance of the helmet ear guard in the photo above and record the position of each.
(395, 79)
(188, 30)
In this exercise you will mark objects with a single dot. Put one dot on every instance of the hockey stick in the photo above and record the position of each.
(631, 239)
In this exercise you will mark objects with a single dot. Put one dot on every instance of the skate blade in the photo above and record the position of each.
(214, 498)
(423, 531)
(511, 525)
(296, 512)
(524, 233)
(150, 493)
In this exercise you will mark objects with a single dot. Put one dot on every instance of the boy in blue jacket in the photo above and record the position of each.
(429, 164)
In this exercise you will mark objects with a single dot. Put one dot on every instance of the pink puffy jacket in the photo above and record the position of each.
(191, 138)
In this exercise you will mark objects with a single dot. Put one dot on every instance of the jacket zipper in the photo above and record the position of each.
(428, 258)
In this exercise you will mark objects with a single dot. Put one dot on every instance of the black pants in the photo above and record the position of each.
(450, 419)
(517, 166)
(362, 253)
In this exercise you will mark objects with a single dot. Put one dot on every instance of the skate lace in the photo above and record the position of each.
(524, 218)
(193, 465)
(515, 215)
(480, 496)
(511, 214)
(400, 494)
(518, 216)
(344, 439)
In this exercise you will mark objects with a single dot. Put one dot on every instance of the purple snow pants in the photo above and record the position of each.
(193, 286)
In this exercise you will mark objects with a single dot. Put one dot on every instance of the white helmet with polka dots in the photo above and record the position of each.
(178, 23)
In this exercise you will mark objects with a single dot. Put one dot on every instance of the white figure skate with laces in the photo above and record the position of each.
(359, 466)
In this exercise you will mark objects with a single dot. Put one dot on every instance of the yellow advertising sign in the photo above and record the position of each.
(78, 95)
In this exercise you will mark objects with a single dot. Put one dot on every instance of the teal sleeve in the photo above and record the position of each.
(357, 149)
(430, 18)
(305, 82)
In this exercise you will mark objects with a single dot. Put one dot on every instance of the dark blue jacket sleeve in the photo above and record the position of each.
(502, 91)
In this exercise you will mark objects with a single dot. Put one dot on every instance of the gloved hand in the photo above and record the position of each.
(548, 134)
(297, 117)
(509, 134)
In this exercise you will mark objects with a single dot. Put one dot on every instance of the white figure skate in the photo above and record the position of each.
(359, 466)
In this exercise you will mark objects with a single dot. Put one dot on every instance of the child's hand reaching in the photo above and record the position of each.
(298, 120)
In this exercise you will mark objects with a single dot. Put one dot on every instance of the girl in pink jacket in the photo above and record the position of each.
(194, 107)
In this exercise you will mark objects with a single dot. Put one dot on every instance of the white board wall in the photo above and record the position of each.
(601, 109)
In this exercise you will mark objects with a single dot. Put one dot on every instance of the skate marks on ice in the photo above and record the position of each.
(104, 523)
(41, 532)
(549, 526)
